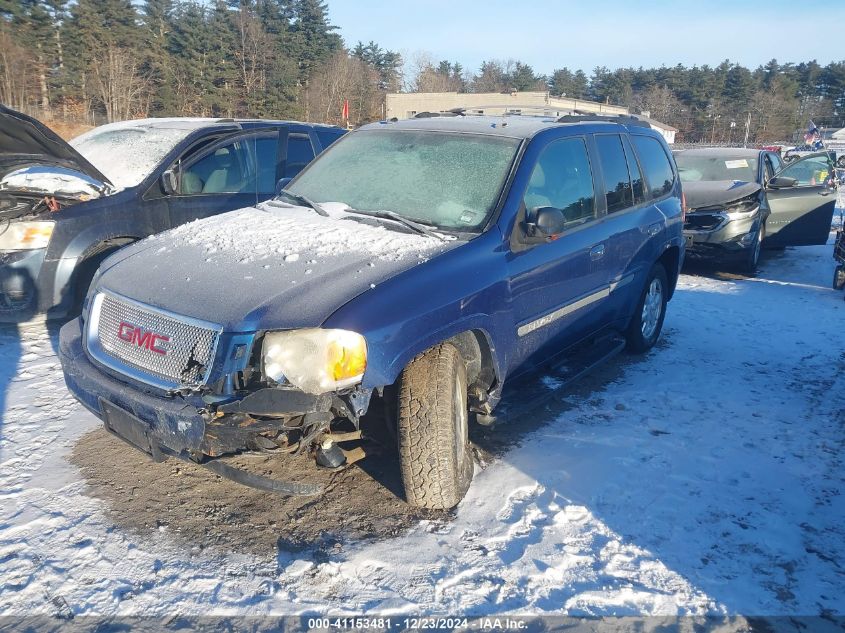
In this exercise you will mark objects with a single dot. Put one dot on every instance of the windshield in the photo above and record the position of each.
(695, 167)
(127, 155)
(450, 180)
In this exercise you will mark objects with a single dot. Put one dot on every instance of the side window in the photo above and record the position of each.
(614, 169)
(327, 136)
(226, 169)
(266, 150)
(809, 171)
(300, 153)
(637, 182)
(777, 162)
(655, 164)
(562, 179)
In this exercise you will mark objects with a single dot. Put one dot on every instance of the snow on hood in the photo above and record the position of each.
(52, 180)
(273, 266)
(712, 193)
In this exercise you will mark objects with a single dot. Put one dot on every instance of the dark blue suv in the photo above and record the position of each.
(419, 262)
(64, 207)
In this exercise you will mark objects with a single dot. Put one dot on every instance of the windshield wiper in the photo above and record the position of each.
(417, 227)
(305, 201)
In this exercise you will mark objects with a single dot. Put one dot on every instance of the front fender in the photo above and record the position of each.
(461, 290)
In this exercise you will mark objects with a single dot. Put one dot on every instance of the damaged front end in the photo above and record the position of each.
(207, 394)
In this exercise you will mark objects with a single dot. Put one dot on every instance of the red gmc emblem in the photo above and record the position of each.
(142, 338)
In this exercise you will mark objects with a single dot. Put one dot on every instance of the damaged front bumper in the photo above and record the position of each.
(715, 232)
(187, 427)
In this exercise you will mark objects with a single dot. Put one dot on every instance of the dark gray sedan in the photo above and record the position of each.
(739, 200)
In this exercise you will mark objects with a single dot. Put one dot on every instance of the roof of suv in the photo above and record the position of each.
(193, 123)
(514, 126)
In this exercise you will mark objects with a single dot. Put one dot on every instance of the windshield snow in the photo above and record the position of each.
(127, 155)
(448, 180)
(695, 168)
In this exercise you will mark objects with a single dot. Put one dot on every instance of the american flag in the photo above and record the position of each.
(812, 135)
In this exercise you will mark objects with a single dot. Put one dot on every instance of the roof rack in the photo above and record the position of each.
(622, 119)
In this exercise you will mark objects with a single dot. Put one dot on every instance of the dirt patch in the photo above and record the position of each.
(67, 129)
(205, 511)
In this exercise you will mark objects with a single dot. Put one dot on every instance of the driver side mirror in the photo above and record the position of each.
(169, 182)
(281, 184)
(782, 182)
(544, 222)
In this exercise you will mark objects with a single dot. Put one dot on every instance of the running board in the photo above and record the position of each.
(576, 365)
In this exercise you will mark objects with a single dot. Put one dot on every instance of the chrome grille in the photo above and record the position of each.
(116, 337)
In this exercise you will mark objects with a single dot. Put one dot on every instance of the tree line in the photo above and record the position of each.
(105, 60)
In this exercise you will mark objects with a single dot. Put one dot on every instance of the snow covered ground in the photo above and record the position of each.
(704, 478)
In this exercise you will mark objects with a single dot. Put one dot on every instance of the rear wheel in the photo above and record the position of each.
(647, 322)
(432, 429)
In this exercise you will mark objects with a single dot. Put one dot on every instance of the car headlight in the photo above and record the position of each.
(315, 360)
(742, 210)
(25, 236)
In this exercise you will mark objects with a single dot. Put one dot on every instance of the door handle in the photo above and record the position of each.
(825, 192)
(597, 252)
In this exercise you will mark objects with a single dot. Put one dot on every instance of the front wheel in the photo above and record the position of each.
(647, 322)
(432, 429)
(751, 255)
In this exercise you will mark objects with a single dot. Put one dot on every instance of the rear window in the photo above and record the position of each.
(655, 164)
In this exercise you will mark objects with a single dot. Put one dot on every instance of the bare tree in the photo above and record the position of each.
(120, 84)
(344, 78)
(15, 79)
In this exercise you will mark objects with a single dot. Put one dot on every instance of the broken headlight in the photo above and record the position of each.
(315, 360)
(26, 236)
(742, 209)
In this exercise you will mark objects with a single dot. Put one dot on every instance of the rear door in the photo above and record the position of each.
(226, 175)
(801, 215)
(633, 223)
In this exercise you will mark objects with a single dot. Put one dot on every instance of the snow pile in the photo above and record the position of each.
(275, 230)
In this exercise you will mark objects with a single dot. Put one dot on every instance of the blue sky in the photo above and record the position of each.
(612, 33)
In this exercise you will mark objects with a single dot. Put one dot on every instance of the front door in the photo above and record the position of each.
(233, 173)
(801, 215)
(555, 285)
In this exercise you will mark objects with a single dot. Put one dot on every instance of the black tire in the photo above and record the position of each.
(434, 453)
(839, 277)
(751, 256)
(639, 338)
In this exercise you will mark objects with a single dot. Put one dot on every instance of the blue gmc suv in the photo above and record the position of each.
(419, 262)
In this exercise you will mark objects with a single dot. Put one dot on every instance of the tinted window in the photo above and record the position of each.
(777, 163)
(655, 164)
(300, 153)
(266, 155)
(614, 169)
(815, 170)
(562, 179)
(637, 183)
(226, 169)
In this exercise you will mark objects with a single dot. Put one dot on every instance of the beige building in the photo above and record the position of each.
(406, 105)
